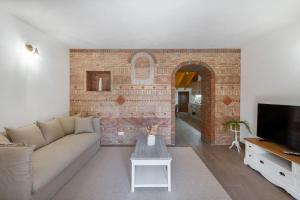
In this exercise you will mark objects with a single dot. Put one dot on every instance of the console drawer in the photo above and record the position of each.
(254, 148)
(262, 164)
(297, 181)
(284, 177)
(251, 159)
(296, 169)
(279, 174)
(250, 147)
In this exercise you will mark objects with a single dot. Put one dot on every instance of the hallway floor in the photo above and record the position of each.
(240, 181)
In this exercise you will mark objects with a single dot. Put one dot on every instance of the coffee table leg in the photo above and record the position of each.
(132, 176)
(169, 177)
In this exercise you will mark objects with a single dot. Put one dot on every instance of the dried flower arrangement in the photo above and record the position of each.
(152, 130)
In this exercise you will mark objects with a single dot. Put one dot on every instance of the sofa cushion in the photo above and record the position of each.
(52, 159)
(68, 123)
(51, 130)
(84, 125)
(96, 125)
(4, 139)
(15, 172)
(30, 135)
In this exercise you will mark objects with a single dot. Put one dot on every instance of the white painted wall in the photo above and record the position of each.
(31, 88)
(270, 71)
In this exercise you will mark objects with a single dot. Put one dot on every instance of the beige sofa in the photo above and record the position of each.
(48, 167)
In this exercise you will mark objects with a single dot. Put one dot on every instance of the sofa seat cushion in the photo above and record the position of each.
(52, 159)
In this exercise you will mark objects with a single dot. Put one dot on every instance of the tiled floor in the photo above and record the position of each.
(240, 181)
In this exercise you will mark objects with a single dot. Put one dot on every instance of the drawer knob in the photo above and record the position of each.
(262, 162)
(250, 146)
(249, 155)
(281, 173)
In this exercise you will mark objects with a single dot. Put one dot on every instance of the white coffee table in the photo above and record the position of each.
(150, 165)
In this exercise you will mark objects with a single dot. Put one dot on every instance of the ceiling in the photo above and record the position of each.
(155, 23)
(184, 79)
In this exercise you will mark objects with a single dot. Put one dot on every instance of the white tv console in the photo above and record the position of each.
(269, 159)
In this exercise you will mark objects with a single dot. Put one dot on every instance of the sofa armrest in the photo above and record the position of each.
(15, 172)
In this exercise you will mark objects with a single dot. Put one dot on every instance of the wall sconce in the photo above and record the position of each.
(32, 49)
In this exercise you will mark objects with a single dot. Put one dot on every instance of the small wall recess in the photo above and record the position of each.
(98, 81)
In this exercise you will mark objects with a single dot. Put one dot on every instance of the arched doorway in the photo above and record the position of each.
(207, 109)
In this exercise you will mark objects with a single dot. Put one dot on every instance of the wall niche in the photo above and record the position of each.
(98, 81)
(142, 68)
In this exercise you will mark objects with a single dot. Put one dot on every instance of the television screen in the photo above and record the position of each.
(279, 124)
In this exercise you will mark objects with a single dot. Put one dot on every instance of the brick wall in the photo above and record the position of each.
(145, 105)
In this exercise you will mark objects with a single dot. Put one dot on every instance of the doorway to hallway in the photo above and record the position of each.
(194, 98)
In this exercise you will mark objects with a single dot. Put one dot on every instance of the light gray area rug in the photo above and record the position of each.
(107, 177)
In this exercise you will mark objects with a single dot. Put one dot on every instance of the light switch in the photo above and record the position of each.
(120, 133)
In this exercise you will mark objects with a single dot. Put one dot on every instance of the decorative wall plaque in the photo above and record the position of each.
(227, 100)
(120, 100)
(142, 69)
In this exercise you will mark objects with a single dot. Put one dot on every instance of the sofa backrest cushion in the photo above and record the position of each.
(30, 135)
(52, 130)
(96, 125)
(4, 139)
(84, 125)
(15, 172)
(68, 124)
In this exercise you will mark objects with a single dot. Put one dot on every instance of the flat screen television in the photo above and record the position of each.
(279, 124)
